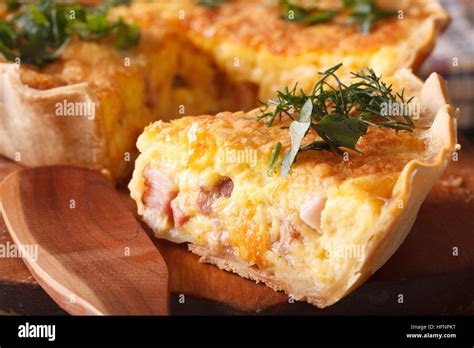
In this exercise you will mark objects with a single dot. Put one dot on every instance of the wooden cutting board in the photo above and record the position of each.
(431, 273)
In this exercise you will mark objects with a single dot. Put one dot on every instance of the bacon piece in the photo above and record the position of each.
(179, 217)
(160, 190)
(225, 188)
(207, 198)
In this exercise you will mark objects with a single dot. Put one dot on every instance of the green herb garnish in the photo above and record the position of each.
(298, 14)
(209, 3)
(365, 13)
(274, 158)
(37, 33)
(339, 113)
(119, 2)
(362, 12)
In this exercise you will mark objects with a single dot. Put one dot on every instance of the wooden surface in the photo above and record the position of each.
(86, 249)
(425, 269)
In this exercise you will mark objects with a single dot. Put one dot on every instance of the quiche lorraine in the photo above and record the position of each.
(316, 233)
(190, 60)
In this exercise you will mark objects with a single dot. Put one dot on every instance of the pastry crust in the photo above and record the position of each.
(227, 58)
(32, 133)
(411, 177)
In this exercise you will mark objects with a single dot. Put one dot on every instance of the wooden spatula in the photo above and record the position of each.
(82, 243)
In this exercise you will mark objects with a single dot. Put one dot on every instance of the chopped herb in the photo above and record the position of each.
(127, 35)
(119, 2)
(316, 17)
(37, 33)
(365, 13)
(274, 158)
(298, 14)
(339, 113)
(362, 12)
(209, 3)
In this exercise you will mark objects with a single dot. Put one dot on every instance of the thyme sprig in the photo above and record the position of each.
(339, 113)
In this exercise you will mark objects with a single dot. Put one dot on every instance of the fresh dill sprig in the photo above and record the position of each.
(339, 113)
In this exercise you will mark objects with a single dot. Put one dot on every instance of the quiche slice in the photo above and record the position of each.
(249, 40)
(190, 60)
(318, 232)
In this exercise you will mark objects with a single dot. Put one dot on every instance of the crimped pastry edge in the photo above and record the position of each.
(416, 174)
(438, 22)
